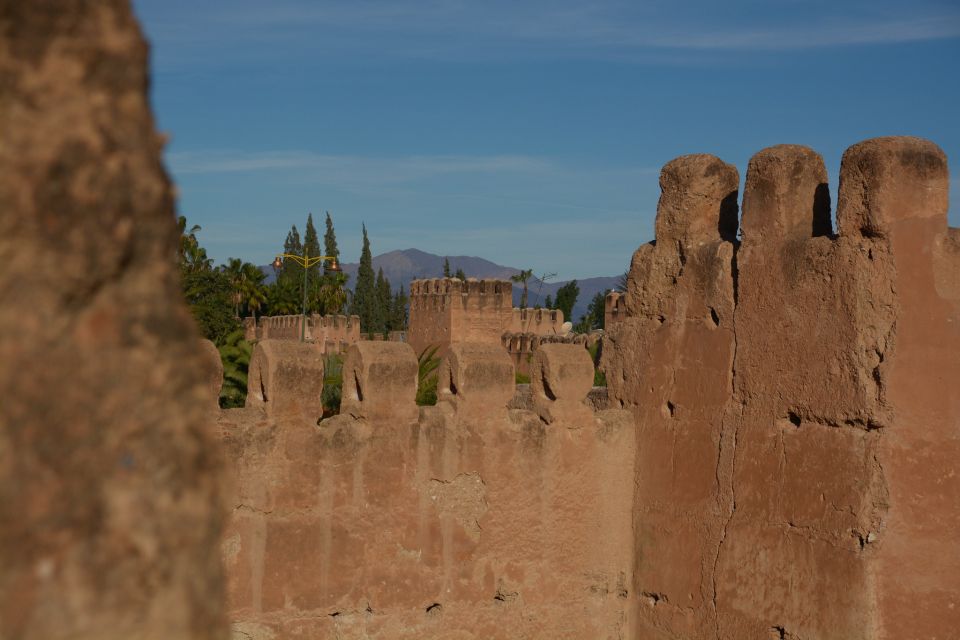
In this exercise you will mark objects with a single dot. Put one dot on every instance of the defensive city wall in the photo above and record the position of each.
(444, 311)
(333, 333)
(781, 460)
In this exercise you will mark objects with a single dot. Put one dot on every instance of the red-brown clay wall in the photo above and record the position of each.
(444, 311)
(431, 313)
(111, 501)
(469, 521)
(799, 479)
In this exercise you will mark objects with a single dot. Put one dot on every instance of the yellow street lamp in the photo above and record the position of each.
(306, 262)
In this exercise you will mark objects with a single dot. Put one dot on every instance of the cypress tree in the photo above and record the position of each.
(330, 240)
(365, 296)
(384, 296)
(291, 270)
(311, 243)
(398, 311)
(567, 298)
(460, 275)
(446, 268)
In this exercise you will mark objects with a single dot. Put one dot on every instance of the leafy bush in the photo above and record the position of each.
(596, 350)
(427, 363)
(332, 385)
(235, 355)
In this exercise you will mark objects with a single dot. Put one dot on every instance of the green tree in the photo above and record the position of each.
(446, 268)
(548, 303)
(384, 300)
(210, 296)
(460, 275)
(331, 296)
(246, 282)
(427, 364)
(621, 285)
(253, 292)
(290, 270)
(235, 355)
(522, 278)
(208, 291)
(189, 252)
(283, 298)
(365, 294)
(311, 245)
(398, 311)
(596, 311)
(332, 384)
(193, 257)
(330, 240)
(567, 298)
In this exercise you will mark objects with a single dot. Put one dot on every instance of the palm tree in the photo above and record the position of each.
(522, 277)
(234, 271)
(252, 293)
(621, 286)
(283, 298)
(331, 295)
(193, 257)
(187, 238)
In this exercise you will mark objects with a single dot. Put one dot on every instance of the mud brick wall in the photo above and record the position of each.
(795, 399)
(460, 520)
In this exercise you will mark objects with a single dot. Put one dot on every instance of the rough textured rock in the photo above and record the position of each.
(391, 368)
(463, 523)
(110, 506)
(561, 376)
(800, 478)
(670, 361)
(283, 378)
(478, 379)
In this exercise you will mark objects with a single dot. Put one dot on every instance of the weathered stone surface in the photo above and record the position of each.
(380, 381)
(286, 378)
(670, 360)
(830, 506)
(110, 503)
(561, 376)
(896, 189)
(455, 524)
(698, 200)
(212, 371)
(478, 378)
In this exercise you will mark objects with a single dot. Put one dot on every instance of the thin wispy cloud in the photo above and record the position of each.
(563, 28)
(348, 170)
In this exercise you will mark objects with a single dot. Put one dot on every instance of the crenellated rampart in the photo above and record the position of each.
(445, 311)
(392, 520)
(795, 399)
(781, 463)
(614, 308)
(521, 346)
(334, 333)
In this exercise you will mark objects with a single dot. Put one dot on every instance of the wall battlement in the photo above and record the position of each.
(614, 308)
(786, 416)
(521, 346)
(444, 311)
(802, 382)
(400, 521)
(334, 333)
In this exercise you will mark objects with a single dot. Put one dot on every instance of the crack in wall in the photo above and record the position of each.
(734, 272)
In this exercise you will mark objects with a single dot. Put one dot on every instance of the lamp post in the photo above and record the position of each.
(306, 262)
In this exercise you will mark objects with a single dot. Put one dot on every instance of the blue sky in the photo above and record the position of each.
(528, 133)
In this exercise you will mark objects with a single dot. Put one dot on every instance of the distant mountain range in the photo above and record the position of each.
(400, 267)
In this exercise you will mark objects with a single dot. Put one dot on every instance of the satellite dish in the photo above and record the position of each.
(566, 328)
